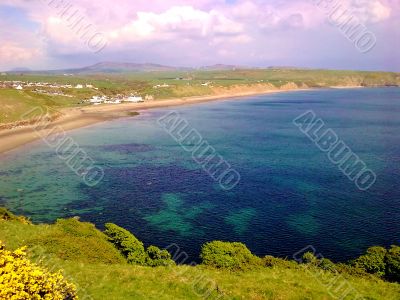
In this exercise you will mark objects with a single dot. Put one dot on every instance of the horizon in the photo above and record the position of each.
(56, 35)
(23, 69)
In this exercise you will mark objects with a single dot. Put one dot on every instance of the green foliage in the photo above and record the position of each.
(84, 255)
(373, 261)
(157, 257)
(309, 258)
(392, 260)
(6, 215)
(134, 250)
(274, 262)
(126, 243)
(327, 265)
(226, 255)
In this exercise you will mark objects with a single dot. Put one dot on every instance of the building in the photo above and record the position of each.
(79, 86)
(161, 86)
(19, 87)
(149, 97)
(134, 99)
(89, 86)
(96, 100)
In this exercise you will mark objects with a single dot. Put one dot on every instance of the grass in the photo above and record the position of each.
(13, 103)
(97, 268)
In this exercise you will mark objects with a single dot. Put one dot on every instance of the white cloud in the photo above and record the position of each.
(184, 21)
(11, 52)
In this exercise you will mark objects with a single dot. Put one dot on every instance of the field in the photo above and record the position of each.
(13, 103)
(99, 271)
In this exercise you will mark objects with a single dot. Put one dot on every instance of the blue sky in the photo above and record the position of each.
(303, 33)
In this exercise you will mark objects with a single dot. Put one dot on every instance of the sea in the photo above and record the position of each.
(285, 195)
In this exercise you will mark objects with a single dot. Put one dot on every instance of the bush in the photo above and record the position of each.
(226, 255)
(126, 243)
(157, 257)
(270, 262)
(21, 279)
(373, 261)
(134, 250)
(309, 258)
(392, 260)
(327, 265)
(6, 215)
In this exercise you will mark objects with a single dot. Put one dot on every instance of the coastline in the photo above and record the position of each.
(74, 118)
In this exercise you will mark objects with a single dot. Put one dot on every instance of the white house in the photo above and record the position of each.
(96, 100)
(89, 86)
(115, 101)
(161, 86)
(19, 87)
(79, 86)
(134, 99)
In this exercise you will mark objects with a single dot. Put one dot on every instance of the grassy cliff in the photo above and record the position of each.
(91, 262)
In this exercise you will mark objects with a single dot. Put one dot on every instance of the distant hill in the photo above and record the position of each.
(123, 67)
(221, 67)
(20, 70)
(116, 67)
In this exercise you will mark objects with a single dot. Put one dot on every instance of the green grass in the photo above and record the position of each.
(13, 103)
(97, 268)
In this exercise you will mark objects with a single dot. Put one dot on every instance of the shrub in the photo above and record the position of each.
(326, 264)
(373, 261)
(157, 257)
(392, 260)
(126, 243)
(6, 215)
(21, 279)
(228, 255)
(270, 262)
(134, 250)
(309, 258)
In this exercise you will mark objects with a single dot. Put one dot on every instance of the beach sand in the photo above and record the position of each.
(74, 118)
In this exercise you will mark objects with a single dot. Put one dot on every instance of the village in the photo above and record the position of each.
(40, 88)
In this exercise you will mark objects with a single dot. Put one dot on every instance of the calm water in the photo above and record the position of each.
(289, 196)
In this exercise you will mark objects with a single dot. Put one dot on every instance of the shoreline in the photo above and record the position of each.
(75, 118)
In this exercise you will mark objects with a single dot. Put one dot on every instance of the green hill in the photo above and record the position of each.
(90, 261)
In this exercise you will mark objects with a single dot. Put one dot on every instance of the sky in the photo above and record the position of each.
(331, 34)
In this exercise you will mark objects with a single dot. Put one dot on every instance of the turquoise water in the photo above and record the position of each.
(289, 196)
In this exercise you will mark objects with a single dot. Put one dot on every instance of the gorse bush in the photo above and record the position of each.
(126, 243)
(380, 262)
(392, 261)
(234, 256)
(21, 279)
(9, 216)
(309, 258)
(272, 262)
(157, 257)
(134, 250)
(373, 261)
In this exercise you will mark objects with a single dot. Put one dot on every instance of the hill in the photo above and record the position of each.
(99, 271)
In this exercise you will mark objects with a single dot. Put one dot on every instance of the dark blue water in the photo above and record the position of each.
(290, 195)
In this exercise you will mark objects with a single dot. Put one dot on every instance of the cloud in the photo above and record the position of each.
(204, 31)
(176, 22)
(11, 52)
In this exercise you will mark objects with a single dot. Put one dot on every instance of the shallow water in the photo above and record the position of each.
(289, 196)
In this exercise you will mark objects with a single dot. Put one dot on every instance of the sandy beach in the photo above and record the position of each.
(74, 118)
